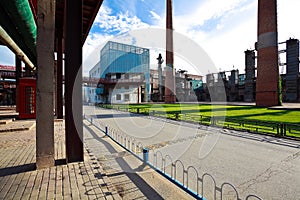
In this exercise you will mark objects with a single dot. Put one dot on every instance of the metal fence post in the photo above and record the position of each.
(213, 121)
(106, 130)
(146, 155)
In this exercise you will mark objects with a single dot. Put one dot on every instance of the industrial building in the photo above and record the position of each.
(242, 87)
(123, 74)
(123, 82)
(187, 86)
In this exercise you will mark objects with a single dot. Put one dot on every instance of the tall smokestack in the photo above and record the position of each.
(170, 90)
(267, 57)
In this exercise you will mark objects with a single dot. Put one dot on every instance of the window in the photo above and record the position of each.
(126, 97)
(126, 87)
(118, 75)
(118, 97)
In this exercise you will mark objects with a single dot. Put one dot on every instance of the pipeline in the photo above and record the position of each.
(17, 20)
(6, 39)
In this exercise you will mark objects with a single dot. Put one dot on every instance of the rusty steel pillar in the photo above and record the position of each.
(170, 89)
(59, 83)
(73, 81)
(267, 57)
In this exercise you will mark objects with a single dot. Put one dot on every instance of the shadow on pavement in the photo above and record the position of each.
(145, 188)
(17, 169)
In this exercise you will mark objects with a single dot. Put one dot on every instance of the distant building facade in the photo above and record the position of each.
(291, 79)
(188, 86)
(242, 87)
(125, 77)
(123, 73)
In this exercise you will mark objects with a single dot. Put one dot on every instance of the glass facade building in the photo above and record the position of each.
(117, 59)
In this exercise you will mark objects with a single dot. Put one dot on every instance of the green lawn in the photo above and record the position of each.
(238, 117)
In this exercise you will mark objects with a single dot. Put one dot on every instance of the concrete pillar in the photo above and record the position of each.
(73, 81)
(45, 76)
(59, 83)
(267, 56)
(170, 89)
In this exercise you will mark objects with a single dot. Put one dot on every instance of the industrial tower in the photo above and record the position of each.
(267, 93)
(170, 90)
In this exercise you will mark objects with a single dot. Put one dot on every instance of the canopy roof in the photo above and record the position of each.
(18, 19)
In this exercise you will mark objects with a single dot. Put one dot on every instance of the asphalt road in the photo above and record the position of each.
(255, 164)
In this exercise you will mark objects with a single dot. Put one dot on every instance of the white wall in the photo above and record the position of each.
(132, 92)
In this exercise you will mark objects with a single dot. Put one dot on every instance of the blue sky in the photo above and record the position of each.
(223, 28)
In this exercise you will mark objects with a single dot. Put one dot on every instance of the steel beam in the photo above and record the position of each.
(59, 84)
(73, 81)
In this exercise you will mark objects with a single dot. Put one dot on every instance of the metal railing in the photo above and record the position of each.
(252, 126)
(185, 177)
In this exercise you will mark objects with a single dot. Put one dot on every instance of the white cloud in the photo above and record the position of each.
(288, 19)
(154, 15)
(109, 24)
(91, 50)
(117, 24)
(224, 29)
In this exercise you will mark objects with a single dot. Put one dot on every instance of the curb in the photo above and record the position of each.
(18, 129)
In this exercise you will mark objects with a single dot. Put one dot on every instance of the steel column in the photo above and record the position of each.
(59, 84)
(73, 81)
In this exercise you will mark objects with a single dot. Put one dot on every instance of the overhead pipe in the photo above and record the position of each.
(17, 20)
(6, 39)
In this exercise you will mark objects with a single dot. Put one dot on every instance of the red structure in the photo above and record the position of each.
(170, 90)
(27, 98)
(267, 57)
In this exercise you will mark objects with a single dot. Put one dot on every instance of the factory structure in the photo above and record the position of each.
(243, 87)
(127, 78)
(122, 74)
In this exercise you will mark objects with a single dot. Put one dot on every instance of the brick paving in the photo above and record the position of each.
(132, 178)
(101, 176)
(20, 180)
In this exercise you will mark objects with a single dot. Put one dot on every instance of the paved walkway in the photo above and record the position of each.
(108, 171)
(20, 180)
(131, 177)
